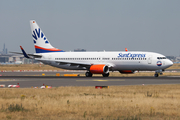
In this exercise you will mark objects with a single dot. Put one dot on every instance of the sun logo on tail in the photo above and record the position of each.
(39, 34)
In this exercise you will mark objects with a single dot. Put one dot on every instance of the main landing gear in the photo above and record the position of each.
(89, 74)
(106, 75)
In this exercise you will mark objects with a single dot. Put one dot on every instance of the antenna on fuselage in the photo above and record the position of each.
(126, 49)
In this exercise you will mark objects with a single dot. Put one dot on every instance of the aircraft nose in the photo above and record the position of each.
(169, 63)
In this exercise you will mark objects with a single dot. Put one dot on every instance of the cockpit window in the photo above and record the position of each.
(161, 57)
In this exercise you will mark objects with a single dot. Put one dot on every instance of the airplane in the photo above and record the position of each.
(126, 62)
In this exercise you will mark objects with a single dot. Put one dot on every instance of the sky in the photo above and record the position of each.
(94, 25)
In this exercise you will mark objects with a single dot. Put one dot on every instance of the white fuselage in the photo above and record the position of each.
(116, 61)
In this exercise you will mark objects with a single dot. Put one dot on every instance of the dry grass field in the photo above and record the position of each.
(27, 67)
(152, 102)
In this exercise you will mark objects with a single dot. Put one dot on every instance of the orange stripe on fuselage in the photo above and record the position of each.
(50, 49)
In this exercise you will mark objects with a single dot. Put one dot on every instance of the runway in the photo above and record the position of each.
(57, 81)
(35, 73)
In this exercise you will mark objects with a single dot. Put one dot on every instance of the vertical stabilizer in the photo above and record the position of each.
(41, 43)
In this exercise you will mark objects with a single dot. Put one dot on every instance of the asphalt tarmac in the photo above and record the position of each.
(57, 81)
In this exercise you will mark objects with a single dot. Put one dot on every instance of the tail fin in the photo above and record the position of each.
(42, 45)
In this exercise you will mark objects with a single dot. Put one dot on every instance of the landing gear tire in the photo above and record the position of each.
(88, 74)
(106, 75)
(156, 75)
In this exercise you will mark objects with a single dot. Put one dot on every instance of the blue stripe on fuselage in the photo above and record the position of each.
(46, 51)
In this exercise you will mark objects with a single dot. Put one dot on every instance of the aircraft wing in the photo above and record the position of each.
(78, 64)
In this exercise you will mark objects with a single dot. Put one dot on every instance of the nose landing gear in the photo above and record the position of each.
(158, 72)
(156, 75)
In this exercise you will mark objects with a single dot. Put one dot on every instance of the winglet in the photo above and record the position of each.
(24, 53)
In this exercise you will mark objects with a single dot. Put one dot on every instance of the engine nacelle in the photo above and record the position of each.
(126, 71)
(99, 69)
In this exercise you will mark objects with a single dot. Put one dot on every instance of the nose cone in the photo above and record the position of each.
(169, 63)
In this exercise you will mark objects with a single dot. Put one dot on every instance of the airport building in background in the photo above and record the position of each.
(6, 58)
(79, 50)
(4, 51)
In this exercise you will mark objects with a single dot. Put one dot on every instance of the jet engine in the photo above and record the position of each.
(99, 69)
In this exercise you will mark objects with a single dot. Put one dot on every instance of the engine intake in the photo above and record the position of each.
(99, 69)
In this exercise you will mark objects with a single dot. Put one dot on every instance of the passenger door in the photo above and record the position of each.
(149, 59)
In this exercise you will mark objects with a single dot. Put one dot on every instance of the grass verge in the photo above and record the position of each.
(87, 103)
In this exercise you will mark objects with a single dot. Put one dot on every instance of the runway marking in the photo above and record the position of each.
(99, 80)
